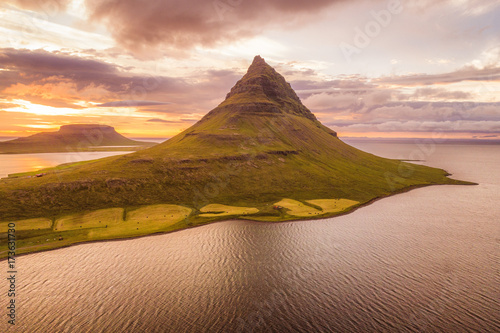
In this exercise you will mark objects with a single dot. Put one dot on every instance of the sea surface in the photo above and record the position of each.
(423, 261)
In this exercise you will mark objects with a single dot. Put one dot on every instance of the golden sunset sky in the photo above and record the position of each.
(153, 68)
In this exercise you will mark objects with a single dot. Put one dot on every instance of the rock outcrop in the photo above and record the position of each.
(264, 90)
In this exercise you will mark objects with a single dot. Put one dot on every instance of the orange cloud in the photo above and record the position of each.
(63, 93)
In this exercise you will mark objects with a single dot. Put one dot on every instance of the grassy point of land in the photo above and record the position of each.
(317, 207)
(333, 205)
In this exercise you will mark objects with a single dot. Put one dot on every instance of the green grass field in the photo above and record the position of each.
(143, 221)
(39, 234)
(97, 219)
(215, 210)
(29, 224)
(333, 205)
(316, 207)
(297, 208)
(158, 215)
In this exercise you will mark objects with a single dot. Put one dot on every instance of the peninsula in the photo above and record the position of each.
(260, 155)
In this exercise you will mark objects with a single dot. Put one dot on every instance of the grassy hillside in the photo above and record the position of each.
(257, 159)
(257, 148)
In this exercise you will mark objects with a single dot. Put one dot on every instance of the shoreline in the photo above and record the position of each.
(348, 211)
(90, 150)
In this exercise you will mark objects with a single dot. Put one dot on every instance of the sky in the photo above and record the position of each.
(390, 69)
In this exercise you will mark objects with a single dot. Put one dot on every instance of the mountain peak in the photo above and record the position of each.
(258, 63)
(258, 58)
(263, 90)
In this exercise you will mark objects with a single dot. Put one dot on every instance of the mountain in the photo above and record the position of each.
(77, 137)
(261, 155)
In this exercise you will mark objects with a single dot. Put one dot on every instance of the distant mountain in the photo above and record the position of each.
(71, 138)
(260, 145)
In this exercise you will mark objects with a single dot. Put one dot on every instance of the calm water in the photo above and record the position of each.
(13, 163)
(423, 261)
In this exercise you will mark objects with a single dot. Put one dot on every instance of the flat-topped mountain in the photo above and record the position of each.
(261, 155)
(77, 137)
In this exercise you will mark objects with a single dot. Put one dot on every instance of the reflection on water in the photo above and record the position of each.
(422, 261)
(14, 163)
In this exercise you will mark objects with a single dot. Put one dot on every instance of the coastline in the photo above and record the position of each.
(79, 150)
(3, 254)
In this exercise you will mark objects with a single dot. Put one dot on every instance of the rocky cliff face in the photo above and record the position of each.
(85, 128)
(93, 134)
(264, 90)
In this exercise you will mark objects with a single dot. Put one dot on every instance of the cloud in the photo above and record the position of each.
(419, 117)
(345, 84)
(465, 74)
(347, 103)
(131, 103)
(140, 25)
(60, 80)
(47, 6)
(64, 80)
(44, 61)
(27, 66)
(330, 101)
(443, 126)
(441, 93)
(359, 104)
(56, 92)
(426, 127)
(8, 105)
(158, 120)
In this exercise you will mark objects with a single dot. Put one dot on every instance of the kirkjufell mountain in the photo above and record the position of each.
(261, 155)
(69, 138)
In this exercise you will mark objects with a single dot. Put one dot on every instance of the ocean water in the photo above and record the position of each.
(423, 261)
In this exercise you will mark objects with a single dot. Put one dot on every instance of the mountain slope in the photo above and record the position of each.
(258, 147)
(77, 137)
